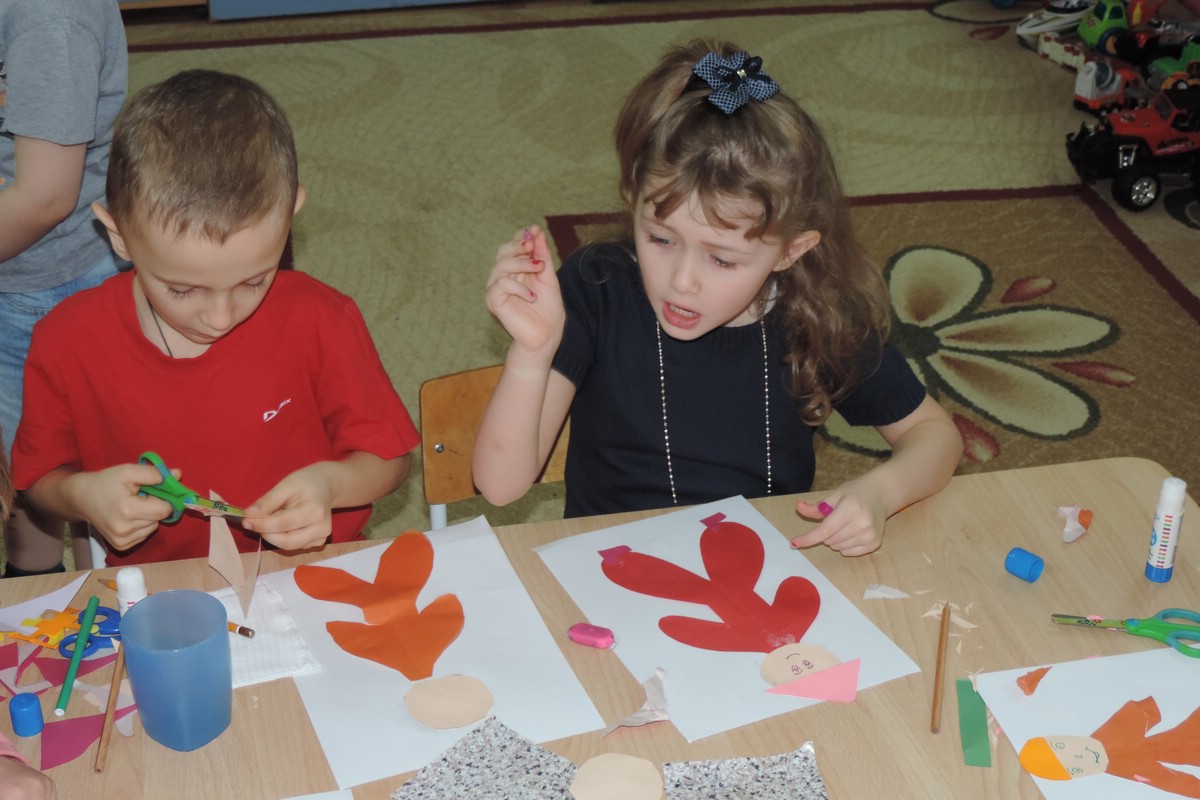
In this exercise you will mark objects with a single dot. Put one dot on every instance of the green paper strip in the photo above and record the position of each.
(972, 726)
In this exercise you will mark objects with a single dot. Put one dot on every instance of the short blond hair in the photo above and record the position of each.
(202, 151)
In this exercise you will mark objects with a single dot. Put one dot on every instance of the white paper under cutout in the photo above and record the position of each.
(711, 692)
(1077, 697)
(357, 706)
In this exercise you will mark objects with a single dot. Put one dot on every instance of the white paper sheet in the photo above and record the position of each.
(357, 706)
(710, 692)
(12, 617)
(1077, 697)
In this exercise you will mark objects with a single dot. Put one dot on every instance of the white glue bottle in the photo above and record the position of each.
(131, 587)
(1164, 536)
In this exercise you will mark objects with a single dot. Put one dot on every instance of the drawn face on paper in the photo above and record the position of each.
(1080, 755)
(795, 661)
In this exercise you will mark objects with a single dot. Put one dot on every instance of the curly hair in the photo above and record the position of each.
(673, 144)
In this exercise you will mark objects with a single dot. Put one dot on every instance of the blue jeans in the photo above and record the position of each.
(18, 314)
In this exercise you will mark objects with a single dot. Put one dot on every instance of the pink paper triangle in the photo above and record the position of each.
(68, 739)
(54, 668)
(838, 683)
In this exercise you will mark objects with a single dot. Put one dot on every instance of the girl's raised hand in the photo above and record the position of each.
(523, 293)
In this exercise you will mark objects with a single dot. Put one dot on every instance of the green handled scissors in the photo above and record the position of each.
(1163, 627)
(179, 496)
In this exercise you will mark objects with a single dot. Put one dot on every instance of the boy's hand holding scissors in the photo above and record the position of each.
(109, 499)
(523, 293)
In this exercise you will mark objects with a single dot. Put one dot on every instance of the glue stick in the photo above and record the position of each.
(131, 587)
(1164, 536)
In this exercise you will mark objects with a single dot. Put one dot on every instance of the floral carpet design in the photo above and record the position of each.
(978, 357)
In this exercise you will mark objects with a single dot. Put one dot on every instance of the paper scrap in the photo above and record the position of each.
(955, 617)
(224, 557)
(67, 739)
(1076, 521)
(973, 726)
(12, 618)
(653, 710)
(491, 761)
(881, 591)
(790, 776)
(1028, 682)
(838, 683)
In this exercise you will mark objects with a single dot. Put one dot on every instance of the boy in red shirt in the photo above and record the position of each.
(260, 385)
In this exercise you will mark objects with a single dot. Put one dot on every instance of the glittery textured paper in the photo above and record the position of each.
(492, 761)
(790, 776)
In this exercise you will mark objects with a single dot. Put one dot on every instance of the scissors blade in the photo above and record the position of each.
(215, 507)
(1086, 622)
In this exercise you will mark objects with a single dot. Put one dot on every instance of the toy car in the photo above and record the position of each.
(1136, 147)
(1176, 72)
(1100, 27)
(1102, 86)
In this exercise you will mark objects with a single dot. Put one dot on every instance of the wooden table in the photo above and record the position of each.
(952, 545)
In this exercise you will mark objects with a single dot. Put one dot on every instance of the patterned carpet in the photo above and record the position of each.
(1053, 326)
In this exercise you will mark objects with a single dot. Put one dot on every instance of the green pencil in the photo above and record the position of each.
(85, 629)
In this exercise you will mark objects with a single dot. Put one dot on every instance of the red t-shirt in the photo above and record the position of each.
(299, 381)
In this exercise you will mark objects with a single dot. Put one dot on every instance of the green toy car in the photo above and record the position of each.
(1103, 25)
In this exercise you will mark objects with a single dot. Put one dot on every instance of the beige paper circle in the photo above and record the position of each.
(615, 776)
(449, 702)
(794, 661)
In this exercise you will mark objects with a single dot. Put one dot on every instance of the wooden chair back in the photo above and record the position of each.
(451, 408)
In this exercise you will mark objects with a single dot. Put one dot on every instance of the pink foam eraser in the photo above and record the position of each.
(591, 635)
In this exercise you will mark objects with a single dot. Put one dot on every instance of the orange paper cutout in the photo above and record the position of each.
(395, 633)
(1028, 682)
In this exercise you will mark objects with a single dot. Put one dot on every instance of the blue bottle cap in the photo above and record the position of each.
(26, 712)
(1159, 574)
(1024, 564)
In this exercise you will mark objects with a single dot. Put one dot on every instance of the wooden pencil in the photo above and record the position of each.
(110, 713)
(935, 720)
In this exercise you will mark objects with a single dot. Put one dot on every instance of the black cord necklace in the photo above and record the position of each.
(154, 317)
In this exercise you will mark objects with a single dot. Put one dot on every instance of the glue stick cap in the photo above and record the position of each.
(1024, 564)
(131, 587)
(1170, 498)
(26, 712)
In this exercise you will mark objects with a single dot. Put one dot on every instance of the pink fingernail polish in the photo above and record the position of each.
(528, 235)
(824, 508)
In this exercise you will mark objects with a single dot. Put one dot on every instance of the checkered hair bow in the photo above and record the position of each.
(735, 80)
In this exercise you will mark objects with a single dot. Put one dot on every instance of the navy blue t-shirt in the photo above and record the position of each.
(715, 396)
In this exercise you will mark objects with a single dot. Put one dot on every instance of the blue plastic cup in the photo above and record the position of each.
(1024, 564)
(177, 655)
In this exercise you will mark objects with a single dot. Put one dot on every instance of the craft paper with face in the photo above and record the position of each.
(1077, 755)
(795, 661)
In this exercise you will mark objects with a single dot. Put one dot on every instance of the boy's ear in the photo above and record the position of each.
(114, 236)
(301, 196)
(799, 246)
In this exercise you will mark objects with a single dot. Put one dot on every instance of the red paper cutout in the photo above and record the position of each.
(733, 557)
(54, 669)
(68, 739)
(396, 634)
(1028, 682)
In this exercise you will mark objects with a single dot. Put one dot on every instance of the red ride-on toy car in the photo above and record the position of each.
(1136, 147)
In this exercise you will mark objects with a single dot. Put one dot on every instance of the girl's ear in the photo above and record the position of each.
(799, 246)
(114, 235)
